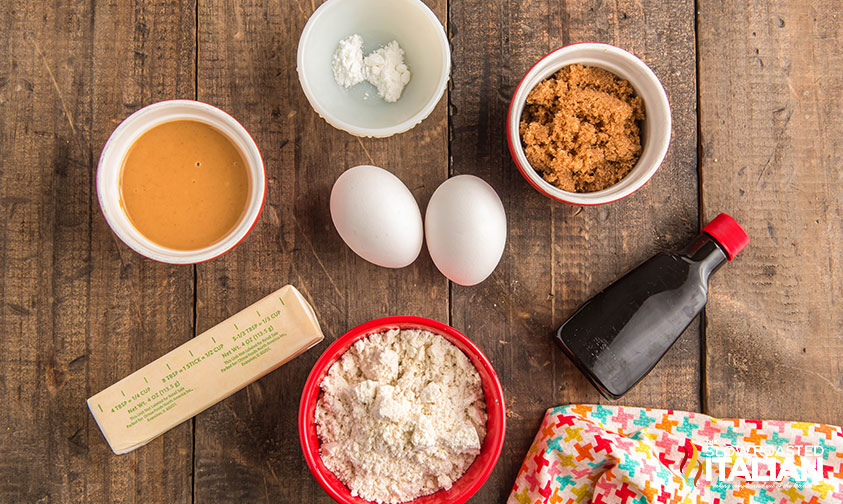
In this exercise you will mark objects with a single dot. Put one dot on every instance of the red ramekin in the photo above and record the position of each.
(655, 133)
(480, 469)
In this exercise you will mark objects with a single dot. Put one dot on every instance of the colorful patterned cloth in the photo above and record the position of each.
(618, 455)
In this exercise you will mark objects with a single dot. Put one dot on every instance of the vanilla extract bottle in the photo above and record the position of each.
(619, 335)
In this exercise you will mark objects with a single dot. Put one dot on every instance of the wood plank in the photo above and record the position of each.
(247, 447)
(78, 310)
(771, 78)
(558, 255)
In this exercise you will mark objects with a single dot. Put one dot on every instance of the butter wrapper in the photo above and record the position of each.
(205, 370)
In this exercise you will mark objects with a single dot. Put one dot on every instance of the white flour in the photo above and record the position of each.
(383, 68)
(401, 415)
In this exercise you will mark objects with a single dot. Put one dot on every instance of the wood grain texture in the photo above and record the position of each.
(558, 255)
(79, 310)
(771, 80)
(247, 447)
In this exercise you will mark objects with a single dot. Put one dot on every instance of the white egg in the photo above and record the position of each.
(377, 216)
(465, 227)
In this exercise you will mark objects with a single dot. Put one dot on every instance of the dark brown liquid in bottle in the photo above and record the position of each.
(619, 335)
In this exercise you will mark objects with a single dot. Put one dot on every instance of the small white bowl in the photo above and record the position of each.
(359, 110)
(111, 165)
(655, 134)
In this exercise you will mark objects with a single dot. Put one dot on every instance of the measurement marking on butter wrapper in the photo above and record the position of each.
(131, 419)
(282, 301)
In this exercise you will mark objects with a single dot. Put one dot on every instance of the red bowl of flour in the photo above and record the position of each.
(480, 469)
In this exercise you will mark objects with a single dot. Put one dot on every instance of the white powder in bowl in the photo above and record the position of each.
(401, 415)
(347, 62)
(384, 68)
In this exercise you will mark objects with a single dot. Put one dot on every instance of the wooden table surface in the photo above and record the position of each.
(755, 89)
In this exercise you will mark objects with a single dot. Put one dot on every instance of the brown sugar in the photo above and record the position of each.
(580, 128)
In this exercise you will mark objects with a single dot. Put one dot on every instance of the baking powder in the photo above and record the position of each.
(384, 68)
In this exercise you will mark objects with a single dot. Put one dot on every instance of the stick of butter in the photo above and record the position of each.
(205, 370)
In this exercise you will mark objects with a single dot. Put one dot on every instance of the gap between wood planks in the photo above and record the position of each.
(703, 395)
(195, 268)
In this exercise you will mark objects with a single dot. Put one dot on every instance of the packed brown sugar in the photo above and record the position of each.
(581, 128)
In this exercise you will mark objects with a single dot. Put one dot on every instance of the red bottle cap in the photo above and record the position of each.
(728, 233)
